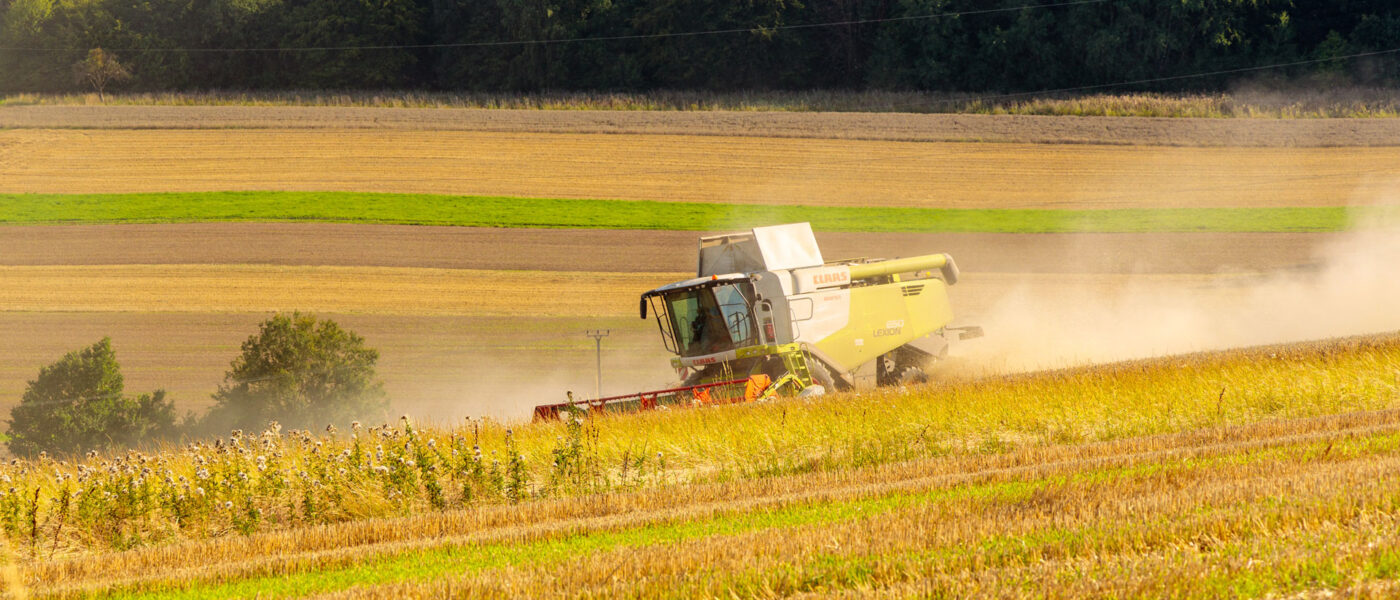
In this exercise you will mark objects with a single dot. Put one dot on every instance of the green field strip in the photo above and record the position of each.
(454, 560)
(555, 213)
(449, 560)
(836, 571)
(1316, 567)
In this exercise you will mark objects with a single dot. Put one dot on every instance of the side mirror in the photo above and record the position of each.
(644, 309)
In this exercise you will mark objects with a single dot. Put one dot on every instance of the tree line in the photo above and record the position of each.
(531, 45)
(297, 370)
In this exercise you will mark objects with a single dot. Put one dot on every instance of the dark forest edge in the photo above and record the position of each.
(509, 212)
(1007, 46)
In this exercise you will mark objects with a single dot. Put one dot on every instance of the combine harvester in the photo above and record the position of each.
(766, 315)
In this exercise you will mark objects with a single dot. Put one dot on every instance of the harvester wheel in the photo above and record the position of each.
(820, 375)
(912, 375)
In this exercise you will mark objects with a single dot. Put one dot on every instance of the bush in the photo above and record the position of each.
(303, 373)
(76, 405)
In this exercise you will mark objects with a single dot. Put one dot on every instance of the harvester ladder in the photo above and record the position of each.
(796, 363)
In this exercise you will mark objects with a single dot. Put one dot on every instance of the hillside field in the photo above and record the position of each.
(1129, 426)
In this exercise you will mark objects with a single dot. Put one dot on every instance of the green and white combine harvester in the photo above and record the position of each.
(767, 315)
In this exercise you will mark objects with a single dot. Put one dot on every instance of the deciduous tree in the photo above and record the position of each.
(99, 70)
(301, 372)
(77, 404)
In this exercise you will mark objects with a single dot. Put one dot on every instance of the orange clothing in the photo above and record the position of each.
(756, 386)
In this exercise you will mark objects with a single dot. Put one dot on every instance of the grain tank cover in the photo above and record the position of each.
(762, 249)
(729, 253)
(788, 246)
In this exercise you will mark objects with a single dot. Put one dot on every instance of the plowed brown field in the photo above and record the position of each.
(851, 126)
(691, 168)
(337, 244)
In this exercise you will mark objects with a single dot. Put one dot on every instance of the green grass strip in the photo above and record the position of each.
(491, 211)
(457, 560)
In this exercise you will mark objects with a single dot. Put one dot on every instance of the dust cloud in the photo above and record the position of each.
(1046, 322)
(507, 389)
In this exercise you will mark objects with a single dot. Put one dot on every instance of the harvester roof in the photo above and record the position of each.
(697, 282)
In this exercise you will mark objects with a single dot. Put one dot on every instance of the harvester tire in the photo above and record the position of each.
(912, 375)
(820, 375)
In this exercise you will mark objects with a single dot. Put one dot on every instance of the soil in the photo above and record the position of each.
(867, 126)
(329, 244)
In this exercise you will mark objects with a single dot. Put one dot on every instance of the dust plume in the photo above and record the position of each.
(506, 388)
(1062, 320)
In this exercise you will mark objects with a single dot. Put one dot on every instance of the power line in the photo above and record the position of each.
(611, 38)
(122, 395)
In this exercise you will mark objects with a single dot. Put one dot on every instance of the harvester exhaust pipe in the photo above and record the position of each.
(943, 262)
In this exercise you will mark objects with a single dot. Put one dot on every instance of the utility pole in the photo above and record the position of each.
(598, 335)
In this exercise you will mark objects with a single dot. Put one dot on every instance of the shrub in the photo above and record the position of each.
(299, 371)
(76, 405)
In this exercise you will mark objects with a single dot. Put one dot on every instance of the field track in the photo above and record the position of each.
(726, 169)
(328, 244)
(859, 126)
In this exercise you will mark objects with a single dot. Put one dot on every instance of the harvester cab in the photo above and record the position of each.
(766, 302)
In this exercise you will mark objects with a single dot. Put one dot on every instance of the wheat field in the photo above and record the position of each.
(692, 168)
(334, 289)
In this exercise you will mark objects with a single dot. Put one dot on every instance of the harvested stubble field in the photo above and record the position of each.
(454, 342)
(744, 170)
(377, 290)
(1253, 473)
(437, 368)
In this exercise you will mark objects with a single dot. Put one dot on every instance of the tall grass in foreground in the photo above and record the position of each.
(1318, 101)
(956, 522)
(279, 480)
